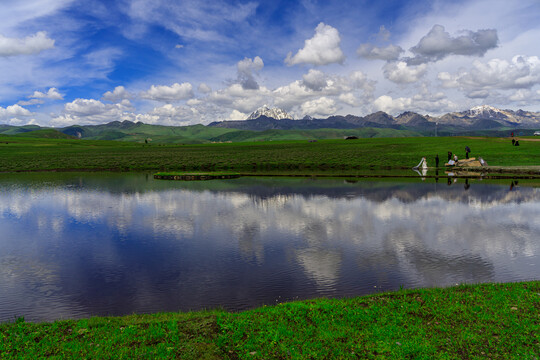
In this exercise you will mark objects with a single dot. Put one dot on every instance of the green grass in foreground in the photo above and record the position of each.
(497, 321)
(27, 154)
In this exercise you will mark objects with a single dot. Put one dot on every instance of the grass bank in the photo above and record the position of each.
(498, 321)
(28, 154)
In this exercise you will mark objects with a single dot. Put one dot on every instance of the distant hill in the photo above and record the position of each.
(482, 120)
(478, 118)
(45, 134)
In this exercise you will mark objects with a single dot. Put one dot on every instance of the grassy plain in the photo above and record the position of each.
(34, 154)
(496, 321)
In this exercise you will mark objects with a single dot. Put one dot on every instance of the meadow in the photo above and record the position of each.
(496, 321)
(37, 154)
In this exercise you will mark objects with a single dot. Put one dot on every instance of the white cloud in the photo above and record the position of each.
(522, 72)
(52, 94)
(525, 96)
(194, 102)
(174, 92)
(348, 99)
(38, 97)
(391, 106)
(478, 94)
(370, 51)
(21, 11)
(90, 111)
(322, 106)
(205, 89)
(237, 115)
(197, 20)
(246, 70)
(316, 84)
(169, 114)
(426, 100)
(315, 80)
(29, 45)
(438, 44)
(119, 93)
(13, 111)
(322, 49)
(400, 73)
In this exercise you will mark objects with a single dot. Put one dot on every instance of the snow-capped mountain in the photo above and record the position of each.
(486, 112)
(275, 113)
(483, 117)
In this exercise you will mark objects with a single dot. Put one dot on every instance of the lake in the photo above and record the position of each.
(77, 245)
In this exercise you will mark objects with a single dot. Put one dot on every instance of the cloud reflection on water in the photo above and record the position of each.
(91, 250)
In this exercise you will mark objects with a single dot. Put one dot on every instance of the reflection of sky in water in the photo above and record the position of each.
(73, 249)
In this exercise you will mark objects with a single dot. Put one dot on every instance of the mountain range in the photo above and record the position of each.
(478, 118)
(275, 124)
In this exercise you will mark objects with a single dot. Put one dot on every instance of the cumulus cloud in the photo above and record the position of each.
(119, 93)
(247, 69)
(90, 111)
(38, 97)
(322, 49)
(164, 93)
(322, 106)
(52, 94)
(401, 73)
(389, 105)
(170, 114)
(315, 80)
(236, 97)
(33, 44)
(316, 84)
(348, 99)
(13, 111)
(203, 88)
(424, 100)
(372, 52)
(522, 72)
(237, 115)
(438, 44)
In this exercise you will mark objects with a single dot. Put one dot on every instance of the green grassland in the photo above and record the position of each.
(19, 153)
(194, 134)
(496, 321)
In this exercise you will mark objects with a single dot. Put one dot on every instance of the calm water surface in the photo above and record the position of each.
(78, 245)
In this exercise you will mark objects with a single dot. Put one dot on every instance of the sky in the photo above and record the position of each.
(186, 62)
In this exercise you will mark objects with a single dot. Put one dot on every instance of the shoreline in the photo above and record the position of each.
(488, 172)
(468, 320)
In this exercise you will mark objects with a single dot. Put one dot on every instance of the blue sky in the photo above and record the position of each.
(65, 62)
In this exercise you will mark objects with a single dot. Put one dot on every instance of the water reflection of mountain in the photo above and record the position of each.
(94, 249)
(405, 192)
(261, 189)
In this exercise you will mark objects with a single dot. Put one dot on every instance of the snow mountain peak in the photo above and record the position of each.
(275, 113)
(485, 110)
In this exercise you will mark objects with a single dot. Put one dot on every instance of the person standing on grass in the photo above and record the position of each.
(449, 155)
(437, 160)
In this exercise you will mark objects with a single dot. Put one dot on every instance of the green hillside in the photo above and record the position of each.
(13, 130)
(200, 134)
(44, 134)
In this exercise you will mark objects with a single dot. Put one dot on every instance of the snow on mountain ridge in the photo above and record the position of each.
(488, 110)
(275, 113)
